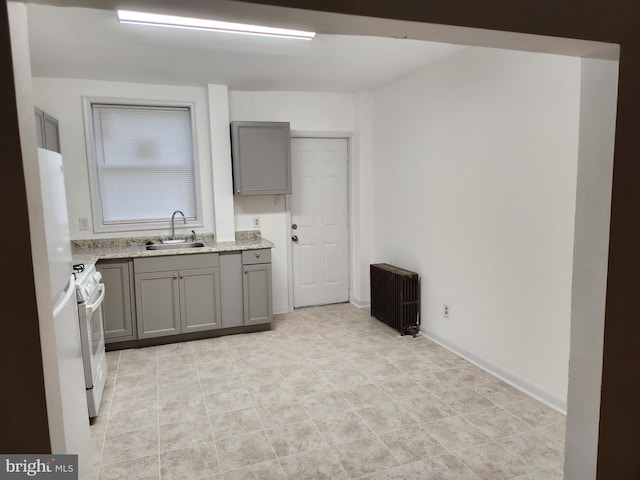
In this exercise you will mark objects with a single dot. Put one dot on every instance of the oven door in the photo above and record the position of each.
(92, 333)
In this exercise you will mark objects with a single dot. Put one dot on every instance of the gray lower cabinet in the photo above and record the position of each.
(117, 308)
(177, 294)
(157, 304)
(199, 299)
(256, 286)
(232, 300)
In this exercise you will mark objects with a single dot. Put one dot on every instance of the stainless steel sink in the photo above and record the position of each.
(173, 246)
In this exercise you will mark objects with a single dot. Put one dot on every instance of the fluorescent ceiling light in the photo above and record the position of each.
(171, 21)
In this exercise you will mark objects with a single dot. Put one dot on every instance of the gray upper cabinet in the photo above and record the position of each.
(177, 294)
(117, 276)
(40, 128)
(261, 158)
(47, 131)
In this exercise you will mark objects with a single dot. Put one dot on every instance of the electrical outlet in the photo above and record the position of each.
(446, 311)
(84, 223)
(256, 222)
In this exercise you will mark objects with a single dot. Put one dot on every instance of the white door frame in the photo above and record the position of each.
(348, 136)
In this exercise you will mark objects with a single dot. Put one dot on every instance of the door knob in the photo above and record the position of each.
(294, 226)
(294, 238)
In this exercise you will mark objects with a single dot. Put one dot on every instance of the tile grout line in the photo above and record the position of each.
(529, 427)
(206, 408)
(446, 449)
(538, 429)
(263, 428)
(354, 410)
(106, 427)
(464, 459)
(110, 420)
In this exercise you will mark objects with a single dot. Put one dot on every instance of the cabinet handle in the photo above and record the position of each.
(175, 276)
(245, 270)
(182, 275)
(257, 255)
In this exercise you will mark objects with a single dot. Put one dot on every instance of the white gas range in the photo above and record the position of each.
(90, 294)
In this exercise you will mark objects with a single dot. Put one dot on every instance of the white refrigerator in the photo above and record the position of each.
(72, 389)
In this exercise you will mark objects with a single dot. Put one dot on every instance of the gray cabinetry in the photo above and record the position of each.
(117, 276)
(261, 158)
(157, 304)
(177, 294)
(231, 298)
(47, 131)
(200, 299)
(256, 286)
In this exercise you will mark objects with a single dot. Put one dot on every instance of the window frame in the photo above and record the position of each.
(96, 207)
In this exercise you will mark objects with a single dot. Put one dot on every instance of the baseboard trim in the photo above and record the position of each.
(281, 309)
(360, 303)
(525, 387)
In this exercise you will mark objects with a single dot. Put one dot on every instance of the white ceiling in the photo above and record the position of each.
(88, 43)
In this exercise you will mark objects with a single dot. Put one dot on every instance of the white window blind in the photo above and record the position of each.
(144, 162)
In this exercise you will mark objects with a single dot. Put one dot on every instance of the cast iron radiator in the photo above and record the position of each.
(395, 297)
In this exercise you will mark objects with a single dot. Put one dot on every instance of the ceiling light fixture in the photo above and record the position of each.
(171, 21)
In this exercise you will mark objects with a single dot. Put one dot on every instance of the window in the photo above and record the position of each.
(143, 165)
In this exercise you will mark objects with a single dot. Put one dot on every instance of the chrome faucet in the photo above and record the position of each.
(173, 223)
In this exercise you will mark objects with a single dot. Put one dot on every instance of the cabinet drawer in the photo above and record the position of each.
(250, 257)
(175, 262)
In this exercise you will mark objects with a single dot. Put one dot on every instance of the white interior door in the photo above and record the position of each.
(319, 230)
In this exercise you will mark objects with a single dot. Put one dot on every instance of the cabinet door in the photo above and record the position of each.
(256, 284)
(231, 299)
(261, 158)
(157, 304)
(200, 299)
(51, 133)
(47, 131)
(117, 306)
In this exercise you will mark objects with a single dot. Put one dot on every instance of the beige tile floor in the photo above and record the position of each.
(328, 393)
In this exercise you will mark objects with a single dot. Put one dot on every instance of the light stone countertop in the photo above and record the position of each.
(90, 251)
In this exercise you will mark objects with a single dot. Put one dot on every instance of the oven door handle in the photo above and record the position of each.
(95, 305)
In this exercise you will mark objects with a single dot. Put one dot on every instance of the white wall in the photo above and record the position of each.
(220, 142)
(307, 112)
(474, 171)
(62, 98)
(361, 198)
